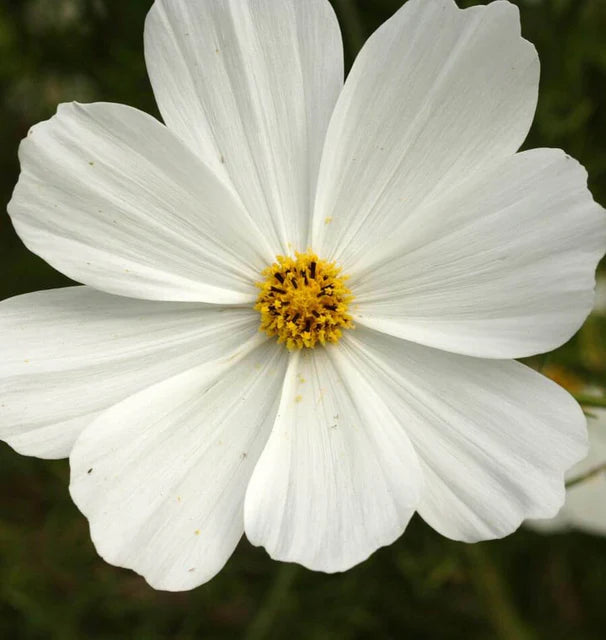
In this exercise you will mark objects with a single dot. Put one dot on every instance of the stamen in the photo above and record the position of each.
(310, 305)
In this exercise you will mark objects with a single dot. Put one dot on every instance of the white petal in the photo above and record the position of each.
(503, 267)
(436, 95)
(113, 199)
(585, 506)
(250, 86)
(161, 477)
(338, 478)
(494, 437)
(69, 354)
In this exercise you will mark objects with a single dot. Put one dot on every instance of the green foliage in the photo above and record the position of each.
(52, 584)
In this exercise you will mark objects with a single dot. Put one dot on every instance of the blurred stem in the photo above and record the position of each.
(590, 401)
(491, 588)
(351, 24)
(586, 476)
(262, 623)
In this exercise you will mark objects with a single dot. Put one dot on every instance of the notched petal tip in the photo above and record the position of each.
(161, 476)
(352, 479)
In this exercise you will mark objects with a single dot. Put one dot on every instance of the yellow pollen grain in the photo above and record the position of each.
(304, 301)
(298, 398)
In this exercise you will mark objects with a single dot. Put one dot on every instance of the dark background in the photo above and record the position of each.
(52, 584)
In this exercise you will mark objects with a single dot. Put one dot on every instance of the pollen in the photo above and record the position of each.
(304, 301)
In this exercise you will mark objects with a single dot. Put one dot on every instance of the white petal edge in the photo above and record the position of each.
(111, 198)
(69, 354)
(585, 506)
(338, 478)
(494, 438)
(250, 86)
(436, 95)
(161, 477)
(501, 267)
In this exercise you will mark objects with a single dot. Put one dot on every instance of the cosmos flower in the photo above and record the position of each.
(302, 300)
(585, 506)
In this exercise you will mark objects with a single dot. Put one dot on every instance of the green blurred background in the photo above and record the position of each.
(52, 584)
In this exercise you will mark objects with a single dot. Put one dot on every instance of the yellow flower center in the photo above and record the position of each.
(304, 301)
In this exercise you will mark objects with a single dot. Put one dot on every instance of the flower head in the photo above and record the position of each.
(218, 374)
(304, 301)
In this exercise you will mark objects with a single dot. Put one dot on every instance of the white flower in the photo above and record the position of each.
(585, 506)
(186, 426)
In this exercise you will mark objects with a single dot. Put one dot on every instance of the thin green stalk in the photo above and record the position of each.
(586, 476)
(590, 401)
(270, 608)
(493, 591)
